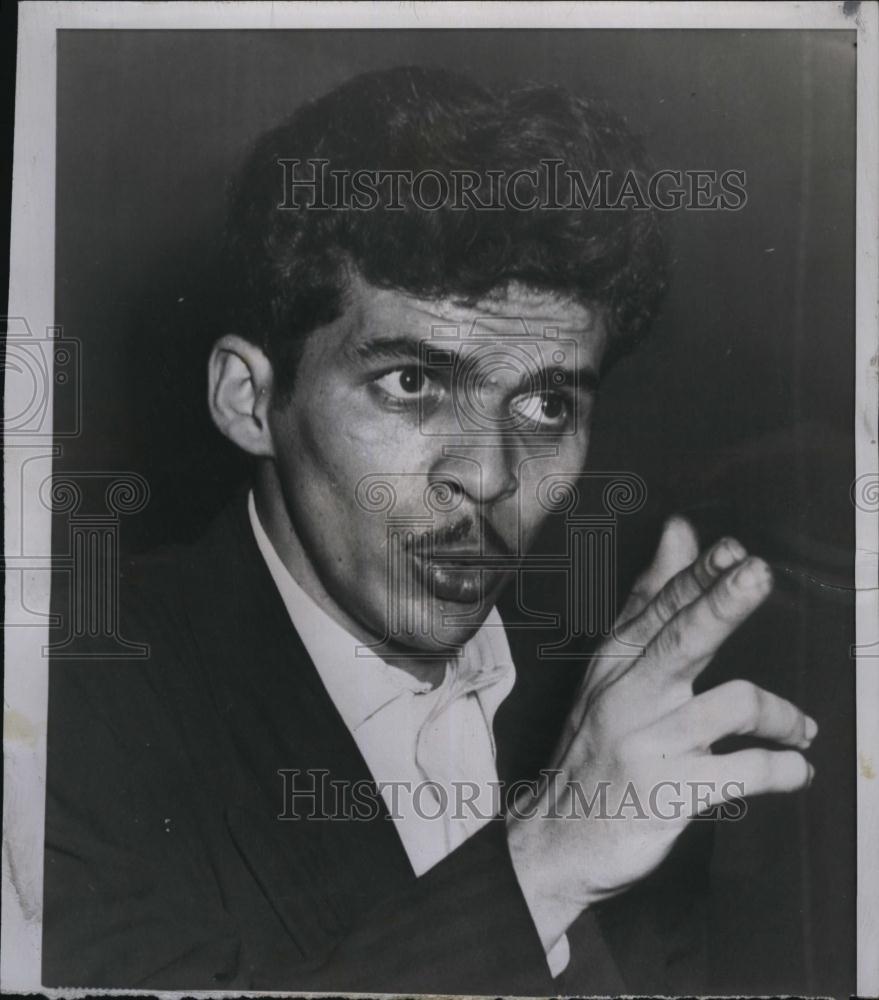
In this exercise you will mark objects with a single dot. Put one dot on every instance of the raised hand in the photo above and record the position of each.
(637, 742)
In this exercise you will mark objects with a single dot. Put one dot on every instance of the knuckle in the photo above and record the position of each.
(755, 700)
(664, 606)
(747, 701)
(639, 597)
(642, 590)
(670, 639)
(764, 769)
(705, 567)
(722, 602)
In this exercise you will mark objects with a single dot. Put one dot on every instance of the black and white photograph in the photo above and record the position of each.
(441, 500)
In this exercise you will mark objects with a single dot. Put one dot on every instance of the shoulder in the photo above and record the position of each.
(127, 637)
(104, 607)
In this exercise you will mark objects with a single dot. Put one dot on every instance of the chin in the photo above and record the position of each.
(441, 627)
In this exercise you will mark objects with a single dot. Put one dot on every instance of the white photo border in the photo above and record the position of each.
(31, 296)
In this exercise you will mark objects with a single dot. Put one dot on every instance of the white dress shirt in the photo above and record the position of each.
(429, 749)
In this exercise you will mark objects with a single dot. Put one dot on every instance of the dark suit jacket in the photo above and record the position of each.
(167, 866)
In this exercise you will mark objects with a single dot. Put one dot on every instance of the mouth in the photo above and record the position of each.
(463, 575)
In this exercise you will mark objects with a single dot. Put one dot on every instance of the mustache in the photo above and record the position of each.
(468, 529)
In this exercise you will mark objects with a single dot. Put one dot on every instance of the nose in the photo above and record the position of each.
(483, 470)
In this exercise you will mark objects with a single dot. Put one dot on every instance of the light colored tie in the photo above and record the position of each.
(447, 758)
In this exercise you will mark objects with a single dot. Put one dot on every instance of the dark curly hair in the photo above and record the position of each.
(285, 269)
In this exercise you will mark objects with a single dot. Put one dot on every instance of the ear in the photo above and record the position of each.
(240, 392)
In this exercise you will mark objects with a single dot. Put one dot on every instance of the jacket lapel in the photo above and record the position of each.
(280, 718)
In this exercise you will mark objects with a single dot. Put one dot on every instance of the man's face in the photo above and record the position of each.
(410, 452)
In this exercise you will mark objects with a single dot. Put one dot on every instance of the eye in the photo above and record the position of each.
(408, 384)
(543, 410)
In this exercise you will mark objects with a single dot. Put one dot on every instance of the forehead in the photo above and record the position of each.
(514, 312)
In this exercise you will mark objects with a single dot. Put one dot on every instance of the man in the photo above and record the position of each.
(407, 378)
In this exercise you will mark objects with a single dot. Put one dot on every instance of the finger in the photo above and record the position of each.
(747, 773)
(737, 708)
(678, 548)
(686, 643)
(682, 590)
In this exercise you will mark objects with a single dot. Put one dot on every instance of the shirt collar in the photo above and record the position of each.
(360, 685)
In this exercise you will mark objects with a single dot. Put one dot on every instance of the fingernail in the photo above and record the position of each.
(811, 772)
(811, 728)
(753, 574)
(725, 554)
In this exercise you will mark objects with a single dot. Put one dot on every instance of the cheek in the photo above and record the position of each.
(342, 436)
(313, 461)
(316, 450)
(324, 452)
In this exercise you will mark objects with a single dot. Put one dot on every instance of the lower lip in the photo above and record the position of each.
(448, 582)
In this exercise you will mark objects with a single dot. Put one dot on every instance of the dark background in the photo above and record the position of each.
(739, 410)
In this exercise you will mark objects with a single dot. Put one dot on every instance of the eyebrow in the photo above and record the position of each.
(586, 378)
(391, 348)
